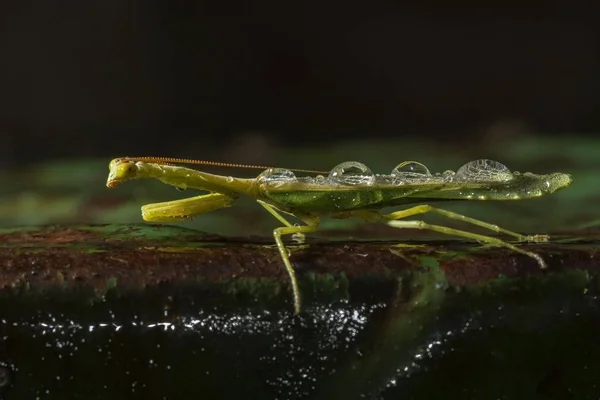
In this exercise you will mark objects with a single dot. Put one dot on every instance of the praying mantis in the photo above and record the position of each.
(349, 190)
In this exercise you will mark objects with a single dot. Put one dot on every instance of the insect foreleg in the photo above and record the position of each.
(177, 210)
(422, 209)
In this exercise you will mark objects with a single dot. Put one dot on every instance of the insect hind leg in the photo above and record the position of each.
(467, 235)
(423, 209)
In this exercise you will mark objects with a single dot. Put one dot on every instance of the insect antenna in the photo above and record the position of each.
(170, 161)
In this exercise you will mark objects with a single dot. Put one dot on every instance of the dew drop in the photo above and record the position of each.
(448, 176)
(484, 170)
(277, 175)
(411, 169)
(352, 173)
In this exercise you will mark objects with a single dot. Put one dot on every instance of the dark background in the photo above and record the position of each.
(216, 79)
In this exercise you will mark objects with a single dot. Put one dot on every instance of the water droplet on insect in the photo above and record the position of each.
(319, 179)
(352, 173)
(277, 175)
(229, 179)
(484, 170)
(448, 176)
(411, 169)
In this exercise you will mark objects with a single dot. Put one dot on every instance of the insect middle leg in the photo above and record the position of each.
(289, 229)
(422, 209)
(298, 237)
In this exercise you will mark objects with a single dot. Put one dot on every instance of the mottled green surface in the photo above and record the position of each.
(131, 310)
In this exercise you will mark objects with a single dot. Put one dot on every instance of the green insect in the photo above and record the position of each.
(349, 190)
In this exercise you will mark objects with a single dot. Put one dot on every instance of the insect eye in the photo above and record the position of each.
(131, 168)
(126, 170)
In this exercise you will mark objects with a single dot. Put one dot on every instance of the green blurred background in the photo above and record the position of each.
(74, 191)
(307, 86)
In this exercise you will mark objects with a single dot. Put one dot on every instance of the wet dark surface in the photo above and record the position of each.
(95, 304)
(141, 255)
(141, 311)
